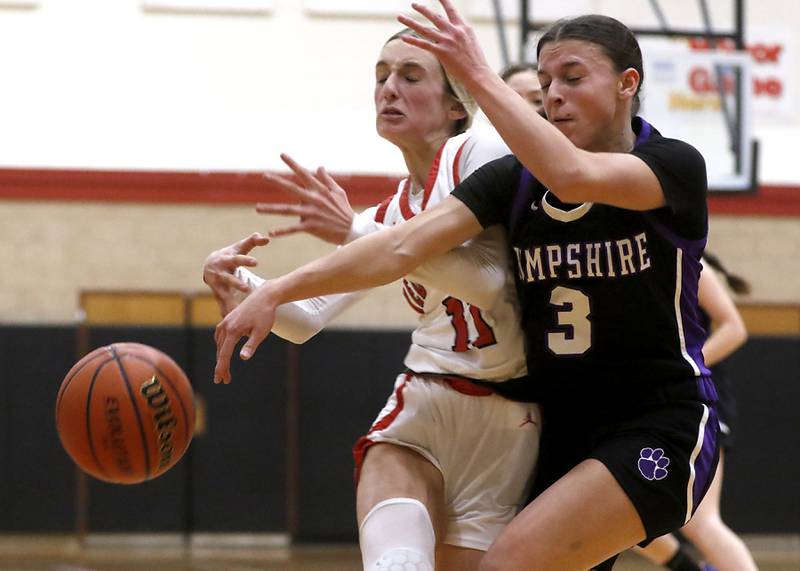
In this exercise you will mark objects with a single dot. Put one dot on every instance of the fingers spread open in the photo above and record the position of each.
(242, 260)
(282, 209)
(253, 341)
(302, 193)
(435, 18)
(230, 280)
(244, 245)
(226, 343)
(293, 229)
(328, 181)
(305, 175)
(452, 13)
(431, 36)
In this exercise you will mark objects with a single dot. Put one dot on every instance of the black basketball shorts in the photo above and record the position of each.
(664, 459)
(662, 448)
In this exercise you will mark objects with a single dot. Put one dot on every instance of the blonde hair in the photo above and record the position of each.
(452, 87)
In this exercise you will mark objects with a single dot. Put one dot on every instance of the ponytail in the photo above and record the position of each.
(738, 284)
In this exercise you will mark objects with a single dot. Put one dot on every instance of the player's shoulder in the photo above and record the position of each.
(676, 151)
(484, 138)
(481, 144)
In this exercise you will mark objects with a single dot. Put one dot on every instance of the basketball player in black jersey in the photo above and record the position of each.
(607, 222)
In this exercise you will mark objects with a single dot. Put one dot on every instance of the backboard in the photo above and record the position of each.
(704, 98)
(697, 85)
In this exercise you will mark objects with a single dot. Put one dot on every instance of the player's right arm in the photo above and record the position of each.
(473, 273)
(373, 260)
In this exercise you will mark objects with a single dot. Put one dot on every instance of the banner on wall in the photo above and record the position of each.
(694, 95)
(772, 51)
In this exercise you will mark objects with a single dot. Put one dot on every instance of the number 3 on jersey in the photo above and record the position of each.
(455, 309)
(573, 333)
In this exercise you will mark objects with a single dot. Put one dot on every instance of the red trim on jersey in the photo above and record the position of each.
(418, 289)
(413, 292)
(412, 300)
(362, 444)
(466, 387)
(380, 214)
(432, 174)
(405, 207)
(456, 176)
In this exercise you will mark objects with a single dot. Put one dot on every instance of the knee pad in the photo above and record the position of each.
(402, 559)
(397, 535)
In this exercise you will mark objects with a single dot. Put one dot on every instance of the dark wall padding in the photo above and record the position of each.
(760, 491)
(234, 478)
(345, 379)
(36, 475)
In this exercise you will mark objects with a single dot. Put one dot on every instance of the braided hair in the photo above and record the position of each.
(737, 283)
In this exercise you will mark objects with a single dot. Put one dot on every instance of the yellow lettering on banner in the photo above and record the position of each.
(682, 102)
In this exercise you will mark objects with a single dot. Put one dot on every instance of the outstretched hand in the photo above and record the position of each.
(324, 209)
(253, 318)
(451, 40)
(220, 267)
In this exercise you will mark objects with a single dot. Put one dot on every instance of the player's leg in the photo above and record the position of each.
(455, 558)
(461, 480)
(661, 549)
(578, 522)
(400, 507)
(642, 474)
(717, 542)
(487, 457)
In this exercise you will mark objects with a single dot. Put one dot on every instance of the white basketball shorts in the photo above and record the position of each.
(484, 445)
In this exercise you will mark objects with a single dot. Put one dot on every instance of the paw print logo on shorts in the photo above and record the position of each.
(653, 464)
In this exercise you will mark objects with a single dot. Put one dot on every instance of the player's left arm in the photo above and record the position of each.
(729, 332)
(572, 174)
(298, 321)
(373, 260)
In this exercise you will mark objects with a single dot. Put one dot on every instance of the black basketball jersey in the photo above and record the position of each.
(608, 295)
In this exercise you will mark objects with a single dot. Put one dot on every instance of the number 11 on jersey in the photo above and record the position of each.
(458, 318)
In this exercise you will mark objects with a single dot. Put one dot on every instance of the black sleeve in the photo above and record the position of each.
(681, 170)
(489, 191)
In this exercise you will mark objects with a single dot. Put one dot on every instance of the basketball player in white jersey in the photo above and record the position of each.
(448, 461)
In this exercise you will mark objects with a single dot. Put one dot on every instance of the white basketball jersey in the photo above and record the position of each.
(454, 337)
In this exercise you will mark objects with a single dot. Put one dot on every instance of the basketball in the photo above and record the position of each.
(125, 413)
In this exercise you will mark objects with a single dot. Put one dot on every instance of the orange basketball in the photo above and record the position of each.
(125, 413)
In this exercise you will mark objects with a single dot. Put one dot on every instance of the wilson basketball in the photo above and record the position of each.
(125, 413)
